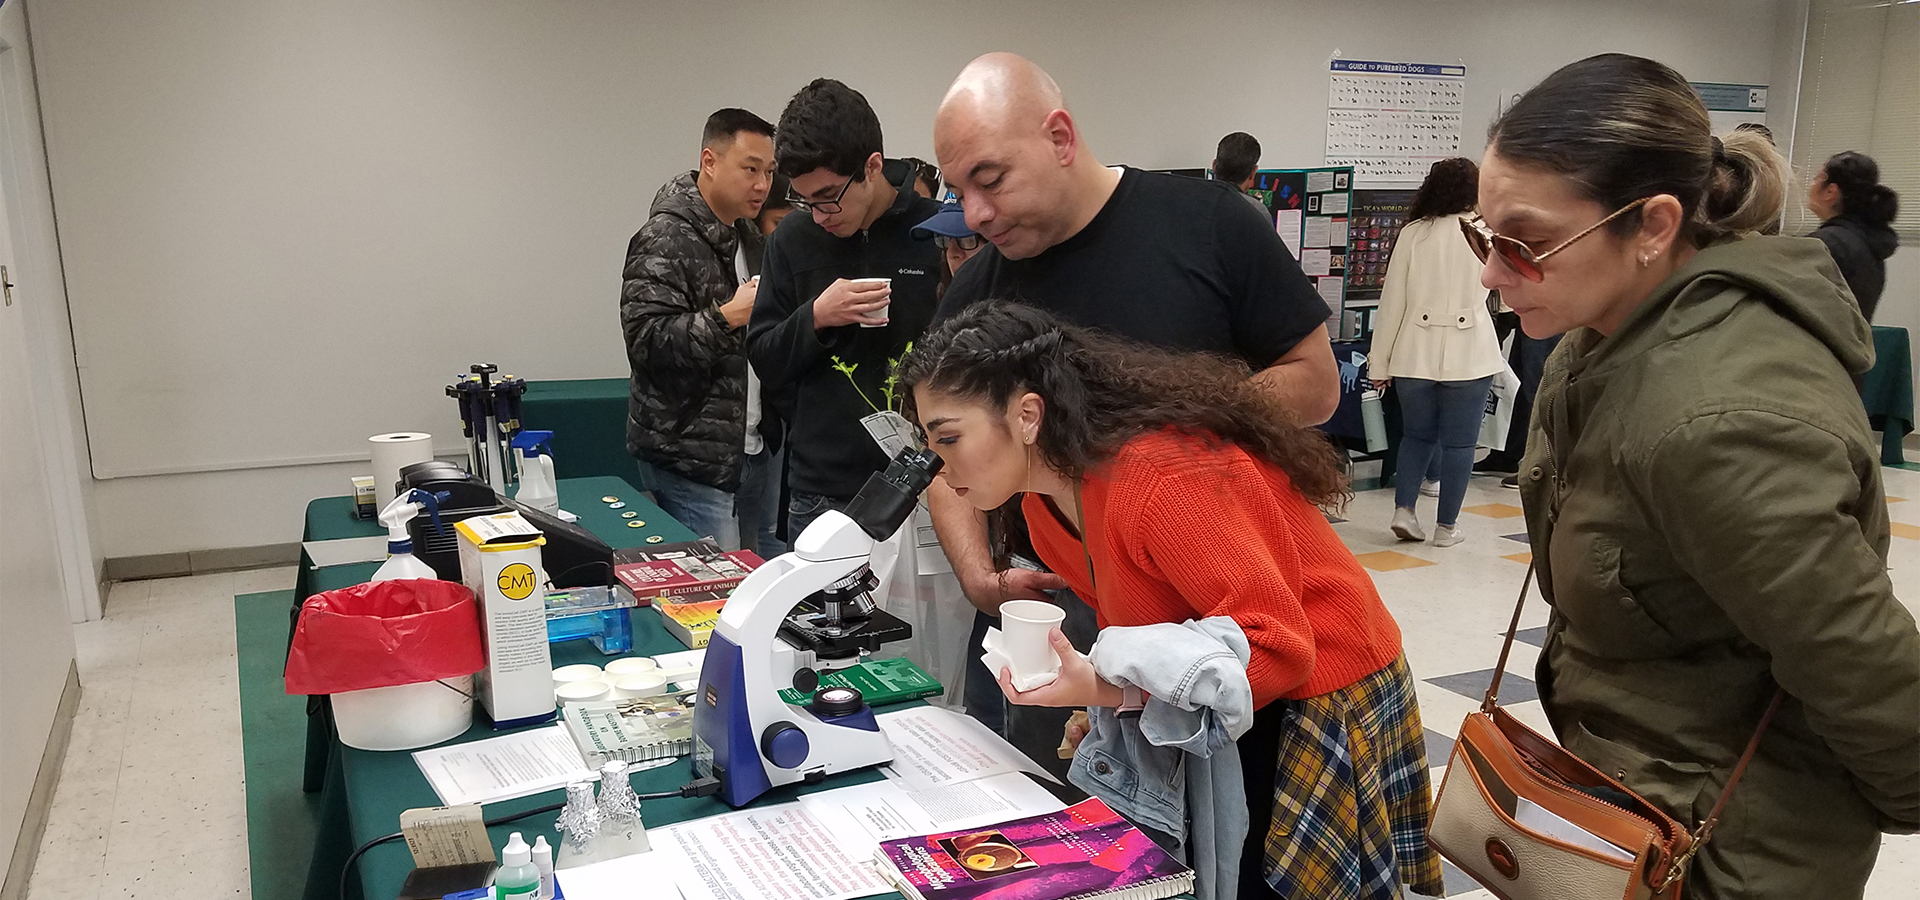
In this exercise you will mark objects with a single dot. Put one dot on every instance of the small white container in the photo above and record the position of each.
(880, 313)
(1024, 628)
(649, 684)
(631, 665)
(583, 691)
(571, 674)
(404, 716)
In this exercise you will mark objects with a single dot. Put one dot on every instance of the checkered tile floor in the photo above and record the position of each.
(1453, 605)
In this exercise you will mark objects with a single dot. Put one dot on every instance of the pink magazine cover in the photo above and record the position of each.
(1084, 850)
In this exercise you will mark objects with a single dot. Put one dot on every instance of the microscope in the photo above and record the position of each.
(799, 613)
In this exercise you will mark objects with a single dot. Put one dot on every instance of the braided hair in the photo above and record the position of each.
(1102, 391)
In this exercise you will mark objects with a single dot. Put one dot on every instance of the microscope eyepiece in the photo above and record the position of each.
(887, 499)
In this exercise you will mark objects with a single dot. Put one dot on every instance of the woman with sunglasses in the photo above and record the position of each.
(1435, 343)
(1702, 494)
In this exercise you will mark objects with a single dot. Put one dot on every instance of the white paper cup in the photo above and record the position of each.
(631, 665)
(1024, 625)
(571, 674)
(583, 691)
(647, 684)
(880, 313)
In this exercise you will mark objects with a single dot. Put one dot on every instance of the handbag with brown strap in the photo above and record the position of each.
(1500, 766)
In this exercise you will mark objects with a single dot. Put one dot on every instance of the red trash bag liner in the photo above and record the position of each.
(385, 633)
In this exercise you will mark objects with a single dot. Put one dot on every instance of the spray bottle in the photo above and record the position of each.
(517, 879)
(401, 563)
(536, 471)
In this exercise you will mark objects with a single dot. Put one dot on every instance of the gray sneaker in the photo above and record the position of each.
(1447, 535)
(1429, 488)
(1405, 526)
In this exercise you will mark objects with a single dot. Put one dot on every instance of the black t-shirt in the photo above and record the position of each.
(1175, 262)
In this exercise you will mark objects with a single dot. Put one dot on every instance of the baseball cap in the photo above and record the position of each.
(950, 221)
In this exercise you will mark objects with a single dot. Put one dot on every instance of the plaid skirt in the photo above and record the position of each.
(1351, 795)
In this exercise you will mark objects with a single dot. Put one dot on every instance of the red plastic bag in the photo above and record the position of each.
(385, 633)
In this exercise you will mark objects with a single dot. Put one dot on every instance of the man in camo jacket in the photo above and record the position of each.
(693, 413)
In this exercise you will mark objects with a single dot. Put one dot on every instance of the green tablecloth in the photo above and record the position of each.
(331, 518)
(365, 791)
(1887, 391)
(588, 419)
(376, 787)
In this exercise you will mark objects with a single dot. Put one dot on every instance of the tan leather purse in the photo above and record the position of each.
(1502, 772)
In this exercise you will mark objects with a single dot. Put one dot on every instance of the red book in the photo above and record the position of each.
(1083, 851)
(689, 572)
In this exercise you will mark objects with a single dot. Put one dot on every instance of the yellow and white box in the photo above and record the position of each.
(500, 562)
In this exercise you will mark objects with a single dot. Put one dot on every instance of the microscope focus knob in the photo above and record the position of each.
(784, 745)
(806, 681)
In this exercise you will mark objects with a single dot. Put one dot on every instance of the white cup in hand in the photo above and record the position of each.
(1024, 626)
(881, 312)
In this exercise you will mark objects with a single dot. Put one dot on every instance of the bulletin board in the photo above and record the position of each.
(1310, 212)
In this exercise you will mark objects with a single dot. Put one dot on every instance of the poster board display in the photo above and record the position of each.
(1378, 216)
(1311, 210)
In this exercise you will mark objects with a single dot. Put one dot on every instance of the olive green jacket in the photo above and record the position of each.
(1707, 518)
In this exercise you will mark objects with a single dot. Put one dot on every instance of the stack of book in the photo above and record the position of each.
(687, 583)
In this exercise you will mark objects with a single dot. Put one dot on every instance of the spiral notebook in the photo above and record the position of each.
(631, 730)
(1083, 852)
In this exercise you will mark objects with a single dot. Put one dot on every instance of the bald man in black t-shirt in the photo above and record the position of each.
(1179, 263)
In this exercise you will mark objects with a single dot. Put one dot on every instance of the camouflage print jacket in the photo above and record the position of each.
(686, 410)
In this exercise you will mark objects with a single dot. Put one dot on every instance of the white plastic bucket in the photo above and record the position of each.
(404, 716)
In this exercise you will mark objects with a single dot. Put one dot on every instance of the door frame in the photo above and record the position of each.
(40, 283)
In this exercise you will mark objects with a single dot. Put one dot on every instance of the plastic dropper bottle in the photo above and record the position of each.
(543, 861)
(517, 878)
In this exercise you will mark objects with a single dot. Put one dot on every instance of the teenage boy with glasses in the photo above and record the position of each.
(822, 339)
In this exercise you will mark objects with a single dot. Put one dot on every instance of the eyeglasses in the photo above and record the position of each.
(826, 206)
(1516, 254)
(966, 242)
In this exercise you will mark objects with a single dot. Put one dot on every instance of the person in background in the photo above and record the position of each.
(926, 177)
(1434, 343)
(1702, 495)
(777, 206)
(693, 407)
(760, 522)
(1175, 497)
(1765, 132)
(1234, 162)
(1174, 262)
(957, 241)
(1857, 213)
(823, 341)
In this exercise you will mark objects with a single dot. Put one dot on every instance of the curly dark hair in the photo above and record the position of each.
(826, 125)
(1102, 391)
(1452, 187)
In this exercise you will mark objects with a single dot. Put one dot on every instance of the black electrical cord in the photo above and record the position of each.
(699, 787)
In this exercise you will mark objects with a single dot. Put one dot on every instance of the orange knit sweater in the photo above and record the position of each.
(1185, 528)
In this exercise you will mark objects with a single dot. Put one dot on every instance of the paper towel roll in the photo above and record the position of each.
(391, 453)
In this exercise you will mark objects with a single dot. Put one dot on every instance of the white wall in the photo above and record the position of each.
(243, 188)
